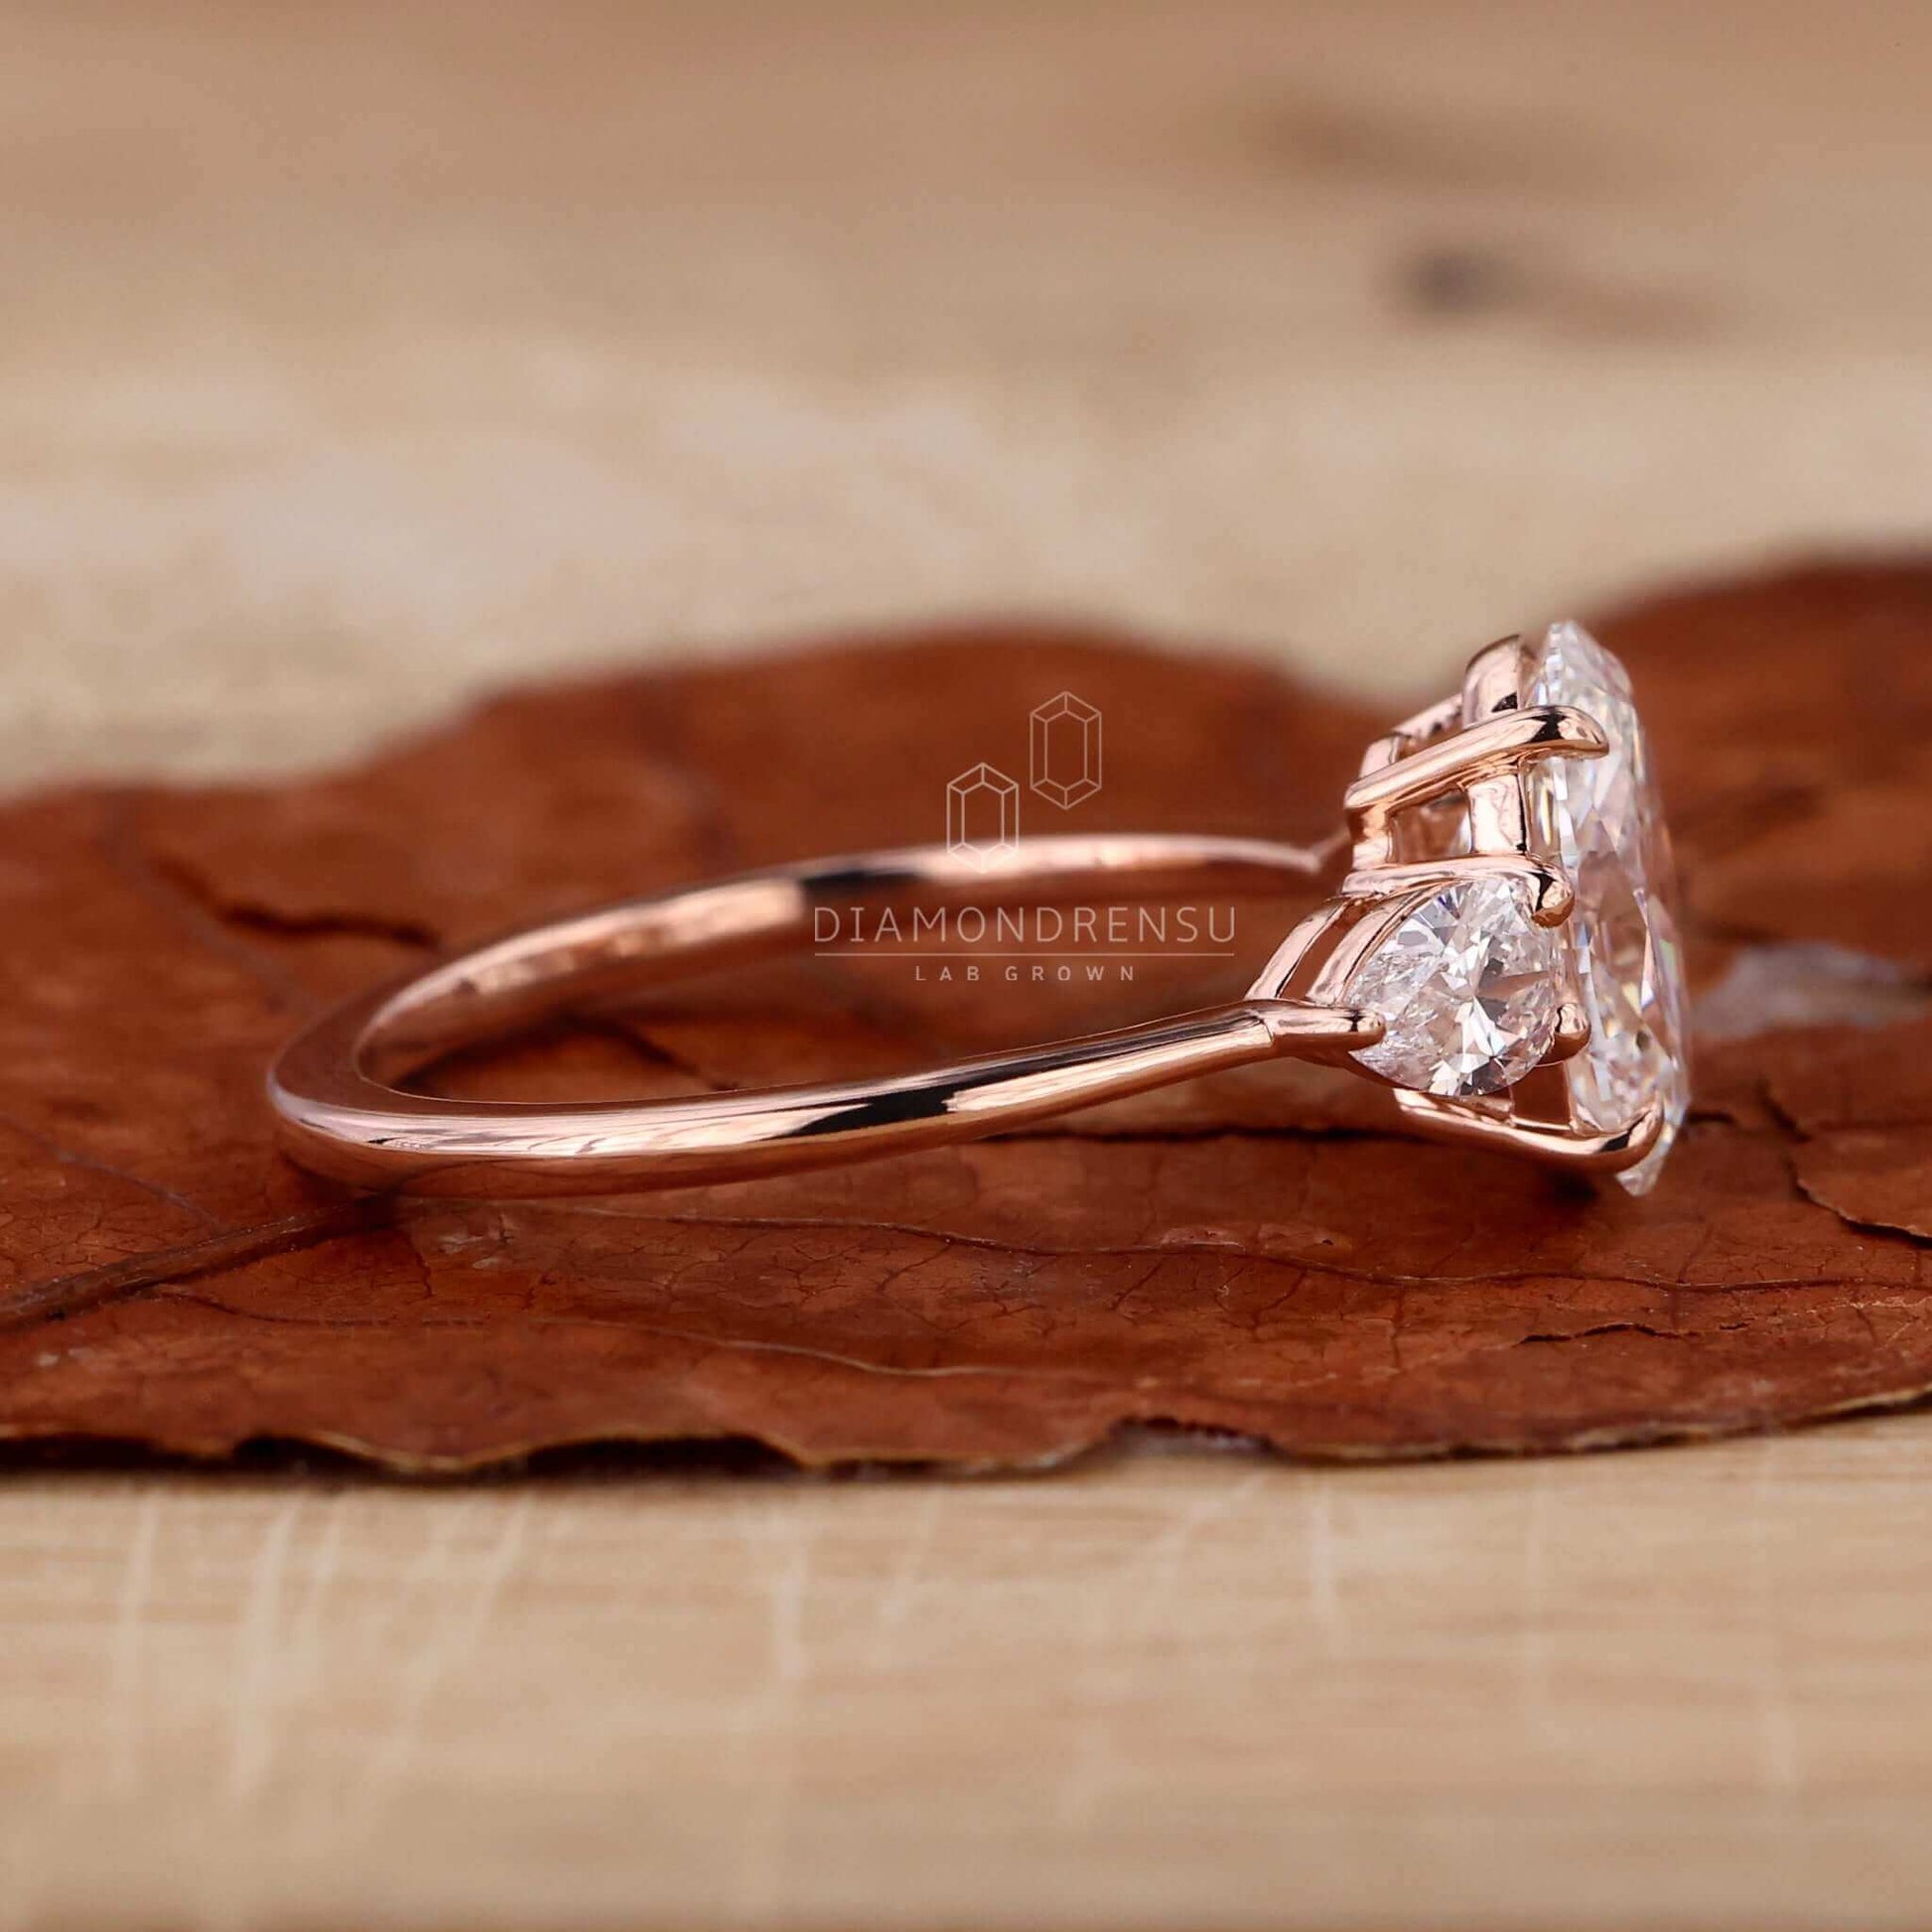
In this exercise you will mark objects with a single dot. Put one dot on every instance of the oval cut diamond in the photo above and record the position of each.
(1600, 819)
(1466, 988)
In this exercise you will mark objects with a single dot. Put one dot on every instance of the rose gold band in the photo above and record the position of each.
(339, 1113)
(1498, 952)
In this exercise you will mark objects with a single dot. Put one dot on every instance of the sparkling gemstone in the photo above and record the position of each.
(1601, 818)
(1467, 986)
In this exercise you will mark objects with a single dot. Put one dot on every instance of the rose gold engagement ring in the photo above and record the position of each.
(1501, 954)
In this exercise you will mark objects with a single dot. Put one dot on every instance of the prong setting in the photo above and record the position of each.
(1551, 892)
(1573, 1030)
(1443, 802)
(1558, 1146)
(1494, 747)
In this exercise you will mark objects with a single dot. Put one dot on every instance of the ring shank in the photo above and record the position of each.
(339, 1111)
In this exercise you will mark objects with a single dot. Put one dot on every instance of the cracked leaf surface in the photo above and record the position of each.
(1263, 1254)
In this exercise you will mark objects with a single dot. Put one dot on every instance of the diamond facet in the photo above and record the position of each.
(1600, 819)
(1467, 989)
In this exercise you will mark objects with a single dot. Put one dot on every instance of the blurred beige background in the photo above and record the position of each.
(358, 356)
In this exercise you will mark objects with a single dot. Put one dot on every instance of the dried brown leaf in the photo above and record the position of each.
(1263, 1254)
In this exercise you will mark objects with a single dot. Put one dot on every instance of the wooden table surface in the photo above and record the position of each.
(358, 359)
(1670, 1688)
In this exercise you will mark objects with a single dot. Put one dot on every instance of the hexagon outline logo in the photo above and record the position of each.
(982, 815)
(1063, 757)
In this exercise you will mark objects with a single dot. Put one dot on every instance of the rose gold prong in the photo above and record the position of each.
(1562, 1147)
(1431, 722)
(1499, 818)
(1496, 745)
(1551, 893)
(1494, 680)
(1382, 752)
(1572, 1032)
(1364, 925)
(1296, 1026)
(1301, 943)
(1553, 897)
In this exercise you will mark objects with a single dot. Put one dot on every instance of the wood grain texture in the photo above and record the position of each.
(1674, 1688)
(364, 359)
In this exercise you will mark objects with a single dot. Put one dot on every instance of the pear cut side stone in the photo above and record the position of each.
(1467, 989)
(1601, 820)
